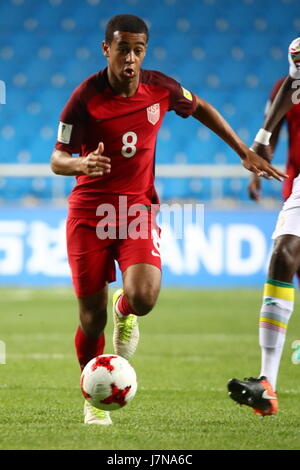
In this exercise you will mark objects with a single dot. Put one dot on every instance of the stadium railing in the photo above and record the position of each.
(216, 173)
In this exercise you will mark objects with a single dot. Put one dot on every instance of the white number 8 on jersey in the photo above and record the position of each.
(129, 140)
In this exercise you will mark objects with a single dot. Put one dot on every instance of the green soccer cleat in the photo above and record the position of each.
(93, 415)
(126, 331)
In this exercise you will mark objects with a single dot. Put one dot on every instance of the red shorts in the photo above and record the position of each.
(92, 259)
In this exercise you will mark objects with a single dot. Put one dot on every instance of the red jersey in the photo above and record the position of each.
(292, 118)
(128, 128)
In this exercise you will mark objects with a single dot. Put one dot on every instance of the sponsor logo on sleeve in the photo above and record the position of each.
(153, 113)
(64, 133)
(187, 94)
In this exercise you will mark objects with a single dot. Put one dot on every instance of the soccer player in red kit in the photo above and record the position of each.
(278, 297)
(111, 121)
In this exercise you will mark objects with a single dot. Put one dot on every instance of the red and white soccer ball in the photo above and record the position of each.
(108, 382)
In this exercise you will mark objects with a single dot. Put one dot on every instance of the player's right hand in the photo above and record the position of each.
(254, 188)
(260, 166)
(96, 164)
(265, 152)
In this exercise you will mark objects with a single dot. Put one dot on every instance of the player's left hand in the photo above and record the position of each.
(253, 162)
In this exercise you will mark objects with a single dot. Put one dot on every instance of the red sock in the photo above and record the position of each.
(123, 306)
(88, 347)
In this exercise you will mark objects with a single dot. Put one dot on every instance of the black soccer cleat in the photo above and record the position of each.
(256, 393)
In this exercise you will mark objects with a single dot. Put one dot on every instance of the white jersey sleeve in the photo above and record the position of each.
(294, 58)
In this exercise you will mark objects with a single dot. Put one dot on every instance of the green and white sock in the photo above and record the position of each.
(276, 310)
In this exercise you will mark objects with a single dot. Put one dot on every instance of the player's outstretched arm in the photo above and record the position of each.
(210, 117)
(95, 164)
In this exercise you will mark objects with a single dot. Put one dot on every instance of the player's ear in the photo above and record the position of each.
(105, 48)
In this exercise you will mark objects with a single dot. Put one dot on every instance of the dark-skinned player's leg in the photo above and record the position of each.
(285, 259)
(276, 310)
(278, 303)
(141, 286)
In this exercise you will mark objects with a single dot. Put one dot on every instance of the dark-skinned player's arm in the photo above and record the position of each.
(266, 138)
(255, 183)
(211, 118)
(282, 103)
(95, 164)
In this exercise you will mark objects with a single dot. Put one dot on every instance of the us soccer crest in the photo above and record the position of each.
(153, 113)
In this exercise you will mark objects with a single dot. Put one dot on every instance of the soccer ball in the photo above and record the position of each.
(108, 382)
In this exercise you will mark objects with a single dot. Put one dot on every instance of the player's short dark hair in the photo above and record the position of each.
(128, 23)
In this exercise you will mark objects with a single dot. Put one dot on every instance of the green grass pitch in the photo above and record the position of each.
(191, 344)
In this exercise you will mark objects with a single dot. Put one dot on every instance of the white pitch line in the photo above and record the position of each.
(39, 356)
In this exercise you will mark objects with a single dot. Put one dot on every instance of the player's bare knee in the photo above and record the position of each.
(142, 302)
(282, 261)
